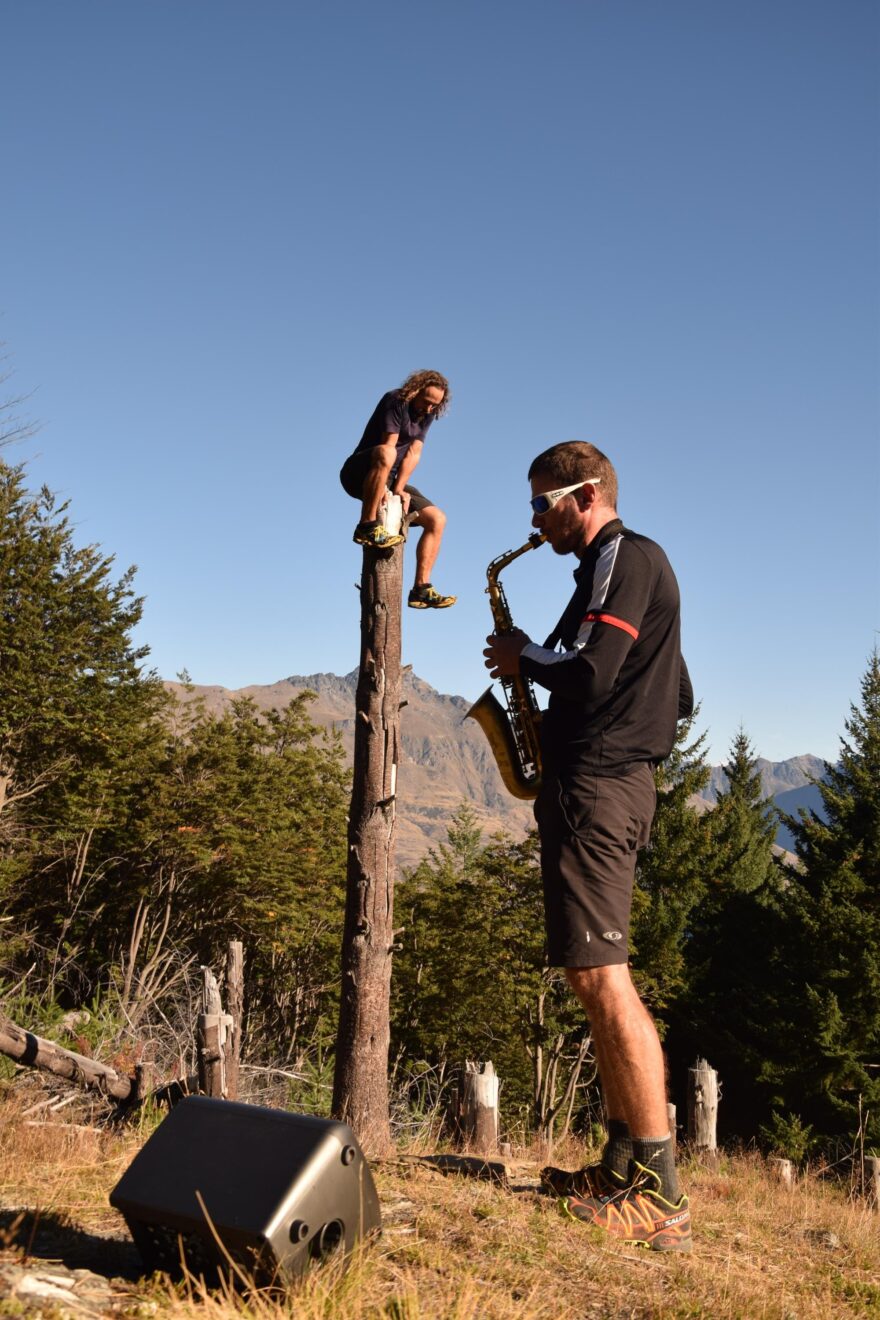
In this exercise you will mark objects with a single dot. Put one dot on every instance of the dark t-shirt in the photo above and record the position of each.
(392, 416)
(619, 683)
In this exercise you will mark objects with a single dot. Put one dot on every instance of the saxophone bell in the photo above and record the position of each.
(521, 779)
(512, 733)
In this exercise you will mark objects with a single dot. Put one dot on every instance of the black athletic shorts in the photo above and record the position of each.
(354, 473)
(591, 829)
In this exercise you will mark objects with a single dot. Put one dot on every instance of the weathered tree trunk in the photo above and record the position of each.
(235, 1005)
(784, 1171)
(703, 1095)
(212, 1029)
(478, 1109)
(144, 1080)
(360, 1084)
(871, 1180)
(34, 1052)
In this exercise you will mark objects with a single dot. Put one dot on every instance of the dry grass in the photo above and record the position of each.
(463, 1249)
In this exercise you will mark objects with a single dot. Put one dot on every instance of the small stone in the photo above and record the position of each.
(822, 1237)
(32, 1285)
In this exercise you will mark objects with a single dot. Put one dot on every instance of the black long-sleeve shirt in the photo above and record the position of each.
(619, 682)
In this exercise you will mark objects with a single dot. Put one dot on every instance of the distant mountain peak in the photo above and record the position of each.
(446, 759)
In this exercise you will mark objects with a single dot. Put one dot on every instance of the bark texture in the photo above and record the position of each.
(34, 1052)
(703, 1096)
(360, 1088)
(479, 1107)
(235, 1004)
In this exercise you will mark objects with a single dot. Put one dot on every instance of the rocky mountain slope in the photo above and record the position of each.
(447, 761)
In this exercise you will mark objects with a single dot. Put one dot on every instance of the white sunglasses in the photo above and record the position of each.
(544, 503)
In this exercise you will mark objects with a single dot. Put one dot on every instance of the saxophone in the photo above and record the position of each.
(512, 733)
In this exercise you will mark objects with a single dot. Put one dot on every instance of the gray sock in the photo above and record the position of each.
(656, 1154)
(618, 1148)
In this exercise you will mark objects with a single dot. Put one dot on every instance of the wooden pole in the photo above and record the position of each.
(144, 1080)
(670, 1114)
(478, 1111)
(703, 1106)
(784, 1171)
(211, 1033)
(360, 1084)
(235, 1005)
(872, 1180)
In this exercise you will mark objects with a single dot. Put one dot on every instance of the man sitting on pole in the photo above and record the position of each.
(383, 461)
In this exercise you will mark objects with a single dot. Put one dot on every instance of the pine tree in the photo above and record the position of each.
(241, 832)
(743, 824)
(78, 715)
(831, 1071)
(135, 838)
(672, 872)
(731, 944)
(471, 980)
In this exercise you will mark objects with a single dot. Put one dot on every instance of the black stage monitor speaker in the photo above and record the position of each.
(281, 1191)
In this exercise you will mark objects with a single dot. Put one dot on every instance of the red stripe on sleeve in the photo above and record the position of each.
(595, 617)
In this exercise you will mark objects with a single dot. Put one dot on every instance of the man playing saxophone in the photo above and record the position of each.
(617, 684)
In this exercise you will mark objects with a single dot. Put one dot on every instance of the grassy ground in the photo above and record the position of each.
(455, 1247)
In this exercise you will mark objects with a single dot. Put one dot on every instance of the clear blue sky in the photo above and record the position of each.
(228, 228)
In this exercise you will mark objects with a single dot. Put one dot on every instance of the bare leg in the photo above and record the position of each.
(432, 521)
(610, 1097)
(628, 1048)
(382, 460)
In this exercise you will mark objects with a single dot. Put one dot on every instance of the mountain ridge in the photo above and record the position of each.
(446, 759)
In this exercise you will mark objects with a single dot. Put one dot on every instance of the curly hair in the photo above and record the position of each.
(419, 380)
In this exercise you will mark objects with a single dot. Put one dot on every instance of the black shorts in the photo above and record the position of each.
(354, 474)
(591, 829)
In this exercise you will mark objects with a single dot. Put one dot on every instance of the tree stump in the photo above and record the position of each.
(784, 1172)
(144, 1080)
(360, 1083)
(703, 1094)
(478, 1108)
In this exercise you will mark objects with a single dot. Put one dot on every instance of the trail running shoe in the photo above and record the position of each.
(596, 1181)
(375, 536)
(426, 598)
(638, 1215)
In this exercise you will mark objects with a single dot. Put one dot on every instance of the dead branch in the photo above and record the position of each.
(33, 1052)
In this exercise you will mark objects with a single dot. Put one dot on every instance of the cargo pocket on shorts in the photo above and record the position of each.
(634, 831)
(577, 803)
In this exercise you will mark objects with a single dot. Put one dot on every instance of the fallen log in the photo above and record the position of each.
(34, 1052)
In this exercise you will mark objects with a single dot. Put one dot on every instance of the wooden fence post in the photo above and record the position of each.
(212, 1029)
(144, 1079)
(703, 1107)
(478, 1108)
(872, 1180)
(235, 1005)
(670, 1114)
(784, 1171)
